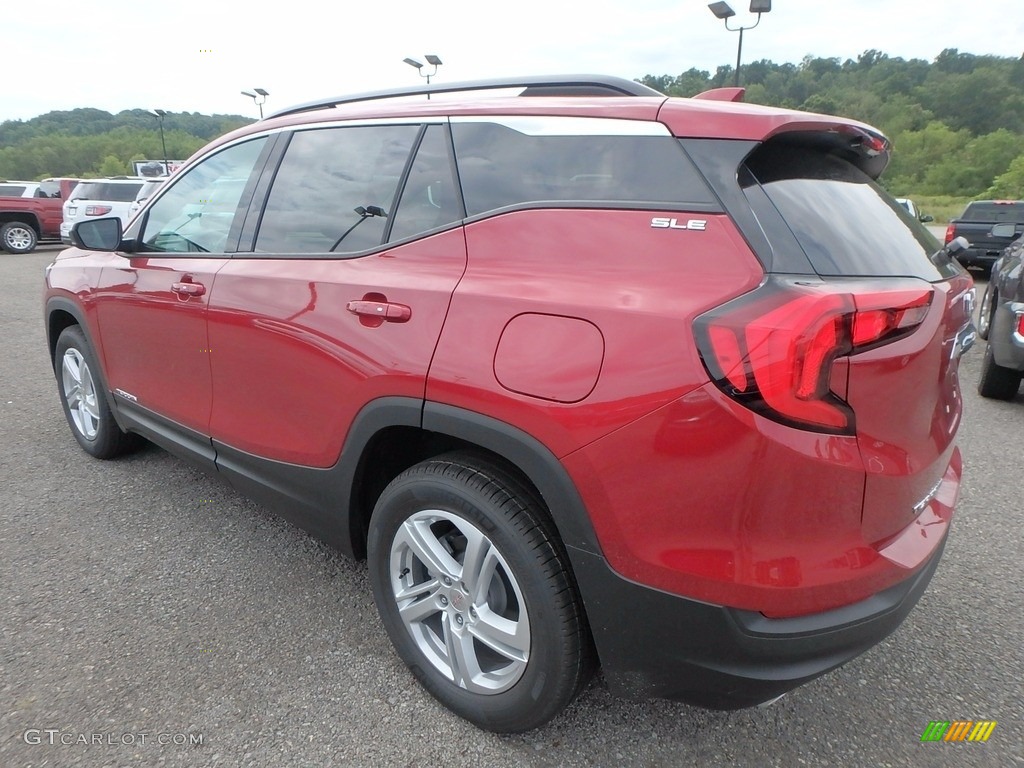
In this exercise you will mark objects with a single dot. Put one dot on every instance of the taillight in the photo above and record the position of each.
(772, 350)
(950, 233)
(1019, 329)
(97, 210)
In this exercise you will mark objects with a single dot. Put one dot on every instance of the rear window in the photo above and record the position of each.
(123, 192)
(993, 212)
(845, 222)
(518, 161)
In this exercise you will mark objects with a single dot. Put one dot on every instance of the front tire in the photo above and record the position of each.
(82, 397)
(18, 237)
(476, 593)
(997, 382)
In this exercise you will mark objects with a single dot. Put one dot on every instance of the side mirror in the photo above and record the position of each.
(956, 245)
(97, 235)
(925, 218)
(1004, 230)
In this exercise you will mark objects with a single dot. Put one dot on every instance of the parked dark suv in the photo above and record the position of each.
(589, 375)
(1001, 323)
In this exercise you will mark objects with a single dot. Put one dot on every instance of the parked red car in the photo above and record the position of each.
(24, 221)
(589, 375)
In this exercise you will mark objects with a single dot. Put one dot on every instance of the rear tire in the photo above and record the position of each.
(997, 382)
(18, 237)
(476, 593)
(84, 400)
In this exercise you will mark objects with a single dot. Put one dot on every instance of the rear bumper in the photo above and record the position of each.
(979, 257)
(653, 644)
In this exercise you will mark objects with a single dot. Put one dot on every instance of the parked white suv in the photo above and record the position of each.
(101, 198)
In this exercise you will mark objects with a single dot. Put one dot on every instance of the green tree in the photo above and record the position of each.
(111, 166)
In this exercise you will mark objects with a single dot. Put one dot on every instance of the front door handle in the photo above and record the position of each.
(188, 289)
(386, 311)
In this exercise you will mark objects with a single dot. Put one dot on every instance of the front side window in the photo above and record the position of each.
(196, 214)
(335, 189)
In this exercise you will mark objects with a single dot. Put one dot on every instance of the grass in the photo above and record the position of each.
(942, 207)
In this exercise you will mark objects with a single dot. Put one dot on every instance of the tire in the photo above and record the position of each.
(997, 382)
(987, 311)
(514, 624)
(82, 397)
(18, 237)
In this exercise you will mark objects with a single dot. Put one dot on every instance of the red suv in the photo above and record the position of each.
(589, 375)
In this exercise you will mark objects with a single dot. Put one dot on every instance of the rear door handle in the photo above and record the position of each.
(384, 310)
(188, 289)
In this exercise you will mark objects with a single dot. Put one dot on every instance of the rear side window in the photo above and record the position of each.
(106, 190)
(998, 213)
(430, 198)
(845, 222)
(335, 189)
(514, 160)
(50, 189)
(11, 190)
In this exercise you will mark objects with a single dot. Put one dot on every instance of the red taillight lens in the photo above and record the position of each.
(773, 349)
(950, 234)
(1020, 324)
(97, 210)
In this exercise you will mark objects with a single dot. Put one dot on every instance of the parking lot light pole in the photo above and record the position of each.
(724, 11)
(432, 59)
(159, 114)
(259, 98)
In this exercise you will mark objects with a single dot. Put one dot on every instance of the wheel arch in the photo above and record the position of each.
(21, 217)
(386, 446)
(62, 313)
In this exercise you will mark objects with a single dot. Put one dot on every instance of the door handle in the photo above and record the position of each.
(188, 289)
(386, 311)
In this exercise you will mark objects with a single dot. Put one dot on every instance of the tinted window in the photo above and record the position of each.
(49, 189)
(994, 212)
(845, 222)
(335, 189)
(503, 165)
(197, 212)
(111, 191)
(430, 198)
(11, 190)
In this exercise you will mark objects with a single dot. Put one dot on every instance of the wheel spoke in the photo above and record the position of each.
(505, 636)
(478, 565)
(417, 536)
(462, 658)
(416, 610)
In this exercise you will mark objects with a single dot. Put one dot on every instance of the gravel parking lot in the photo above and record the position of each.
(146, 607)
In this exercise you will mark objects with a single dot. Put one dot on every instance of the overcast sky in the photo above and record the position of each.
(196, 56)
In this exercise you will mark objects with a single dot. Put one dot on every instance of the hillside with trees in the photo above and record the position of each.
(90, 142)
(957, 124)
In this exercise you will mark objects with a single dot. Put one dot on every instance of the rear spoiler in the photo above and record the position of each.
(722, 94)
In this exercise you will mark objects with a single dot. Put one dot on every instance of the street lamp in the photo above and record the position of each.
(159, 114)
(723, 11)
(259, 98)
(432, 59)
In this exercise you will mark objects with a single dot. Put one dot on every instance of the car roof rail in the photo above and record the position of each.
(534, 85)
